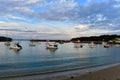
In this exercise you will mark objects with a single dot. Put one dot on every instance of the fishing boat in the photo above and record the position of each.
(51, 46)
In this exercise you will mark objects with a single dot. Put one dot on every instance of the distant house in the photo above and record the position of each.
(117, 40)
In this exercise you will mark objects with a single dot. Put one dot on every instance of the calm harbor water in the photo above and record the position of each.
(38, 59)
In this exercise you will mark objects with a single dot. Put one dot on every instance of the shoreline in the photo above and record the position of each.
(62, 75)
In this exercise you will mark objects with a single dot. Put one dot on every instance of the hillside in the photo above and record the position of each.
(5, 39)
(97, 38)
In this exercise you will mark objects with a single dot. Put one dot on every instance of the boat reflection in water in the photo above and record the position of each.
(52, 50)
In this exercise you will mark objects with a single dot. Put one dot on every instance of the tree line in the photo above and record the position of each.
(5, 38)
(97, 38)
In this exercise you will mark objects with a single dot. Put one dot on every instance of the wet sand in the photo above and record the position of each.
(108, 72)
(112, 73)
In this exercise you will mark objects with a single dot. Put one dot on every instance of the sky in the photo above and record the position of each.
(58, 19)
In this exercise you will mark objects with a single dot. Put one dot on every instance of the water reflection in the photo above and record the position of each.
(17, 50)
(52, 50)
(66, 56)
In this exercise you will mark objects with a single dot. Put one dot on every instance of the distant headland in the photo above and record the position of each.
(5, 39)
(101, 38)
(105, 38)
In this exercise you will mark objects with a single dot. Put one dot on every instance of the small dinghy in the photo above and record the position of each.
(106, 46)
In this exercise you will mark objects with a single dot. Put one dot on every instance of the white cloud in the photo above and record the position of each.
(116, 5)
(117, 0)
(89, 1)
(100, 14)
(82, 27)
(58, 10)
(32, 1)
(23, 9)
(15, 17)
(42, 30)
(100, 17)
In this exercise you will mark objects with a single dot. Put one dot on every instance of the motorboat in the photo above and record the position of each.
(106, 46)
(16, 46)
(51, 46)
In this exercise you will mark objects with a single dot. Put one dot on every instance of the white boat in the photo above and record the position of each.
(92, 45)
(16, 47)
(105, 45)
(51, 46)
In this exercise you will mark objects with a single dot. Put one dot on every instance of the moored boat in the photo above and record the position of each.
(106, 46)
(16, 46)
(92, 45)
(51, 46)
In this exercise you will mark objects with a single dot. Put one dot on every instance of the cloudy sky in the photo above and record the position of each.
(58, 19)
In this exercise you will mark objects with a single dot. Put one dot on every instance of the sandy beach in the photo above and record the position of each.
(108, 72)
(112, 73)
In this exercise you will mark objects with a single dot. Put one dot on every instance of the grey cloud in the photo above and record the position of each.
(65, 10)
(88, 14)
(22, 7)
